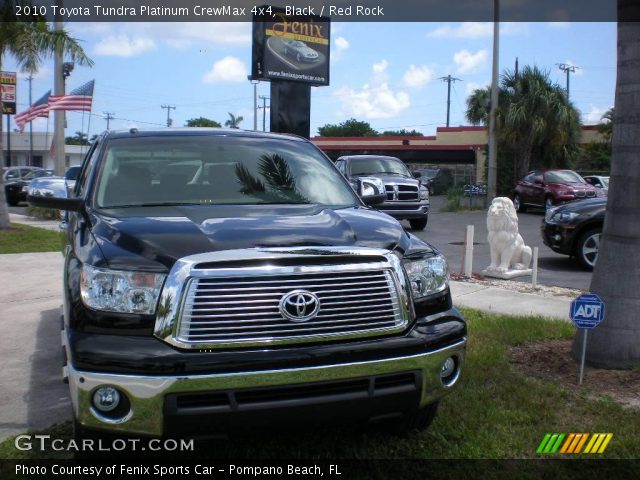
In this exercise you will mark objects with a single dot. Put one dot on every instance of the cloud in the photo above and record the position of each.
(341, 45)
(474, 30)
(228, 70)
(595, 114)
(467, 62)
(381, 66)
(372, 101)
(417, 77)
(472, 87)
(123, 46)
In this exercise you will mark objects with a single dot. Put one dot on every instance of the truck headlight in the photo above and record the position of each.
(424, 193)
(427, 275)
(120, 291)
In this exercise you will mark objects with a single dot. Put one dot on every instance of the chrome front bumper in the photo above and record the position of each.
(147, 393)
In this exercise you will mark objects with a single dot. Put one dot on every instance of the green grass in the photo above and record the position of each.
(25, 239)
(495, 412)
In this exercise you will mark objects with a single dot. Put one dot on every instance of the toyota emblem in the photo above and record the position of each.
(299, 305)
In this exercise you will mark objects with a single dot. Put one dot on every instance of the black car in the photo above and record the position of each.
(17, 178)
(437, 180)
(406, 198)
(574, 229)
(217, 278)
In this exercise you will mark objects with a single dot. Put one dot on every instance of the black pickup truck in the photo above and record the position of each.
(215, 278)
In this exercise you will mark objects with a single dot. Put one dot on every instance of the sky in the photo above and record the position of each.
(387, 74)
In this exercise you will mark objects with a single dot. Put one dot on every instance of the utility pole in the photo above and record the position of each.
(449, 79)
(59, 89)
(30, 162)
(492, 171)
(255, 101)
(108, 116)
(169, 108)
(568, 69)
(264, 112)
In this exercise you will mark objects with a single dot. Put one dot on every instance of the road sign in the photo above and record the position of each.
(587, 311)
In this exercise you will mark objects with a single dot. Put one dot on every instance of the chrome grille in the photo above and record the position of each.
(246, 309)
(407, 193)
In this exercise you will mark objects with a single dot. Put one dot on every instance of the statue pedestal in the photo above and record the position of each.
(508, 275)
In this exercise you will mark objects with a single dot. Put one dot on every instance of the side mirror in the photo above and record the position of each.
(538, 182)
(371, 191)
(58, 203)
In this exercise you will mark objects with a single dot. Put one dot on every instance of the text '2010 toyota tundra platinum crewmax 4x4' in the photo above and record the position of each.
(215, 278)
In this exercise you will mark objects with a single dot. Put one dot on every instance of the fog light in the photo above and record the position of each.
(557, 237)
(106, 399)
(448, 368)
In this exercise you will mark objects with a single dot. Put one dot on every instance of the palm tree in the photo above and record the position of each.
(28, 42)
(233, 122)
(534, 116)
(616, 278)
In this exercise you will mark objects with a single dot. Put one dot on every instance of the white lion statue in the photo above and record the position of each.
(508, 251)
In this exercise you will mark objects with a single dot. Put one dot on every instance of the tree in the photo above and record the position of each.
(233, 122)
(202, 122)
(78, 139)
(595, 157)
(28, 42)
(616, 278)
(348, 128)
(402, 133)
(535, 121)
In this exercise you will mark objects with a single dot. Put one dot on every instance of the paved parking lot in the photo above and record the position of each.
(447, 231)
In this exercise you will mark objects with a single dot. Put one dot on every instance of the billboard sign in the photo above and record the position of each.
(8, 92)
(290, 46)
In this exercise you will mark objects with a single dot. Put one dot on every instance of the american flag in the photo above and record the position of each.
(78, 99)
(39, 109)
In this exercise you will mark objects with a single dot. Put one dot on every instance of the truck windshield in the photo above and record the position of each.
(378, 165)
(217, 170)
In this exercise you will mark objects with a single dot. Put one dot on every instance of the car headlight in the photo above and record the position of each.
(562, 216)
(120, 291)
(427, 275)
(372, 186)
(424, 193)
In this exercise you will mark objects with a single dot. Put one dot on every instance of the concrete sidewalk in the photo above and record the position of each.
(495, 299)
(34, 222)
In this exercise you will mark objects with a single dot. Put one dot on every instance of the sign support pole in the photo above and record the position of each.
(582, 357)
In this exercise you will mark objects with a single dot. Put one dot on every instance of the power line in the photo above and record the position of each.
(449, 79)
(108, 116)
(566, 68)
(169, 108)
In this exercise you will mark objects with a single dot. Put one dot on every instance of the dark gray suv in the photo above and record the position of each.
(406, 198)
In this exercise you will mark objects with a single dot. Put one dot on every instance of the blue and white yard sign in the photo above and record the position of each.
(587, 311)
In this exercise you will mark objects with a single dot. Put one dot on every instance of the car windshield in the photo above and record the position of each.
(378, 165)
(563, 176)
(217, 170)
(428, 173)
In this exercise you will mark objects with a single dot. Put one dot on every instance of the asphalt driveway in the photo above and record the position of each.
(447, 231)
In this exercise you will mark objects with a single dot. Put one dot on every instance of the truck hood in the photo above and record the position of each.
(154, 238)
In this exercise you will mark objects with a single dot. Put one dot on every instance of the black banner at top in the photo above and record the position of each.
(336, 10)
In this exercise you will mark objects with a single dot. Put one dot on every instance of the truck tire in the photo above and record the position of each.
(418, 223)
(419, 419)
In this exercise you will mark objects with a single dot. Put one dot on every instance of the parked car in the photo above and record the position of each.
(406, 198)
(261, 290)
(300, 51)
(16, 178)
(544, 189)
(574, 229)
(598, 181)
(437, 180)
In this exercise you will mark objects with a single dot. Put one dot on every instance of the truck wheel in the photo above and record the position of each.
(419, 419)
(418, 223)
(587, 248)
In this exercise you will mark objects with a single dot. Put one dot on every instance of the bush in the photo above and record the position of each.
(44, 213)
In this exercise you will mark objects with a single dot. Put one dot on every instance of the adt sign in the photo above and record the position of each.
(587, 311)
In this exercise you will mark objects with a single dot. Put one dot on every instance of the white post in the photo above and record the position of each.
(534, 274)
(468, 252)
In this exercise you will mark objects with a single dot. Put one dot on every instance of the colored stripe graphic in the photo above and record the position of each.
(573, 443)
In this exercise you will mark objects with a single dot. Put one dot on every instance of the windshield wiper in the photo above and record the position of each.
(155, 204)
